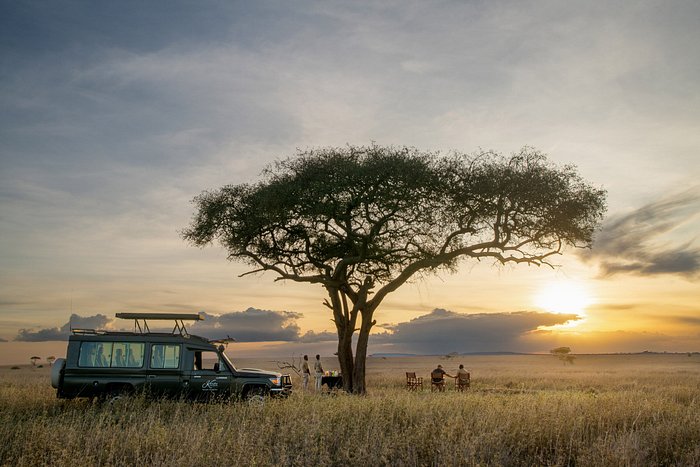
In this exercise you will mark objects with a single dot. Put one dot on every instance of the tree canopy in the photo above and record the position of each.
(361, 221)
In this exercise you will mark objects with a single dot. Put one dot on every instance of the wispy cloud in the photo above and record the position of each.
(107, 132)
(652, 240)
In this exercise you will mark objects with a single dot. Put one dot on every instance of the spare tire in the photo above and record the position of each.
(57, 372)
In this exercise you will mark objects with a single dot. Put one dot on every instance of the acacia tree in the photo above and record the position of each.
(362, 221)
(563, 354)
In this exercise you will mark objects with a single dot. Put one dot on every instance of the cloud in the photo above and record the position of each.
(59, 334)
(251, 325)
(313, 337)
(648, 242)
(685, 320)
(443, 331)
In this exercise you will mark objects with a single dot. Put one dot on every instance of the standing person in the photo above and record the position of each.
(318, 370)
(305, 373)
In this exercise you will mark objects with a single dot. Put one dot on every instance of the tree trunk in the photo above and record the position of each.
(345, 360)
(353, 370)
(344, 327)
(358, 376)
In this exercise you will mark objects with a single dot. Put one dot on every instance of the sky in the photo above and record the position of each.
(115, 115)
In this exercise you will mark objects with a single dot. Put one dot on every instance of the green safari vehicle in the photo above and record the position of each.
(176, 364)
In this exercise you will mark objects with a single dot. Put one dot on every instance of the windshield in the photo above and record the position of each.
(227, 360)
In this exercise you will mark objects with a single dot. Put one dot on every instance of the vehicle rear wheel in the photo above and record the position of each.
(117, 393)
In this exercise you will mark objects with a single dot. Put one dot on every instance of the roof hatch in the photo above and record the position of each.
(141, 321)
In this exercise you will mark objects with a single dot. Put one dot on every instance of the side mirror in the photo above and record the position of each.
(216, 367)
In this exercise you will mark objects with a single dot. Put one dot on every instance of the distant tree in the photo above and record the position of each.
(563, 354)
(34, 360)
(50, 360)
(362, 221)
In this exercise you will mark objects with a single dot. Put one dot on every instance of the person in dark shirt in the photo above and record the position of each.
(437, 378)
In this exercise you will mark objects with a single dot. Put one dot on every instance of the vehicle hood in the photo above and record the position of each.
(256, 373)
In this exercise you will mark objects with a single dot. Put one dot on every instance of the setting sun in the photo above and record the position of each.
(564, 297)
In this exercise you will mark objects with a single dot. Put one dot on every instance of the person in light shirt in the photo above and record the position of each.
(318, 371)
(462, 377)
(305, 373)
(462, 373)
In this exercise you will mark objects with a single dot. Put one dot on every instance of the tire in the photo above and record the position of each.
(117, 393)
(256, 395)
(57, 373)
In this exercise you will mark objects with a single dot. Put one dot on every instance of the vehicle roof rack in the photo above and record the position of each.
(88, 331)
(179, 318)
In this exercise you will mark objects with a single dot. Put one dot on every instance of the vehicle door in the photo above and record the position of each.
(128, 362)
(209, 376)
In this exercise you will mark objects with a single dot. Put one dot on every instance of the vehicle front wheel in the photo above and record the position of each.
(255, 396)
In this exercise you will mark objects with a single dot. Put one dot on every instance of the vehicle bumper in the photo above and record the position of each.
(281, 392)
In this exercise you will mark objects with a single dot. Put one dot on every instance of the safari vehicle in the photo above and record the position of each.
(177, 364)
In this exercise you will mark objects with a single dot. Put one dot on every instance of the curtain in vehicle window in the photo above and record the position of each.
(127, 355)
(95, 354)
(165, 356)
(111, 354)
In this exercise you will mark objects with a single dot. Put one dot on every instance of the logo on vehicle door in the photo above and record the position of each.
(210, 385)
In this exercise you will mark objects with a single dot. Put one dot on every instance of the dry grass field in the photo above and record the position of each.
(521, 410)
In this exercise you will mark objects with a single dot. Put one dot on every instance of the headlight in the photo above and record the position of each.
(275, 381)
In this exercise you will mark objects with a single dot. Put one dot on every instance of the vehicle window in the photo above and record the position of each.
(165, 356)
(204, 360)
(95, 354)
(127, 355)
(111, 354)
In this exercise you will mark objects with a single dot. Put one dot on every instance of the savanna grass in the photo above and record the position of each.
(596, 412)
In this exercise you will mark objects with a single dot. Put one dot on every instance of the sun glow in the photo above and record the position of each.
(564, 297)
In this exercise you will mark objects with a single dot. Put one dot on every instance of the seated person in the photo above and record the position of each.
(438, 377)
(462, 376)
